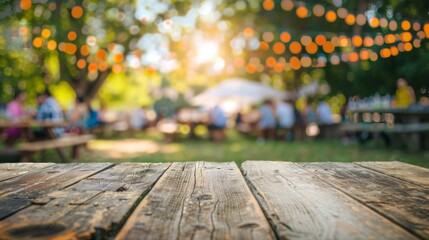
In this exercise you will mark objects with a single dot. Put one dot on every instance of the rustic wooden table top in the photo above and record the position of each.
(203, 200)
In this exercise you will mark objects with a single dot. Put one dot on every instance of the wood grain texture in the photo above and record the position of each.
(404, 171)
(17, 193)
(12, 170)
(404, 203)
(299, 206)
(198, 201)
(94, 208)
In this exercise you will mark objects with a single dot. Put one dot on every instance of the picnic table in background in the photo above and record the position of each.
(204, 200)
(53, 142)
(406, 126)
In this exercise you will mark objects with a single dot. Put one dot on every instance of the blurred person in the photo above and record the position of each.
(285, 118)
(49, 111)
(217, 124)
(405, 95)
(78, 116)
(299, 127)
(267, 122)
(15, 112)
(138, 118)
(309, 115)
(424, 101)
(324, 113)
(308, 112)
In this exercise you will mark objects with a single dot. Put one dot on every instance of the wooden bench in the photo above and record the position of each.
(382, 127)
(75, 142)
(411, 135)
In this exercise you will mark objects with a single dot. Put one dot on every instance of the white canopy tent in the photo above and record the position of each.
(238, 90)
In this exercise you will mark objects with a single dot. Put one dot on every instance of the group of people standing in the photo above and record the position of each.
(282, 120)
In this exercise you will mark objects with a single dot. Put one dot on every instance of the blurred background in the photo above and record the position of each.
(218, 80)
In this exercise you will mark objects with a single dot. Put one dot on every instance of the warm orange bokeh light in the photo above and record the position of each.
(25, 4)
(426, 29)
(331, 16)
(70, 48)
(295, 47)
(364, 54)
(23, 30)
(81, 63)
(311, 48)
(328, 47)
(102, 66)
(343, 41)
(72, 35)
(295, 63)
(357, 41)
(389, 38)
(385, 53)
(408, 46)
(270, 62)
(250, 68)
(406, 36)
(406, 25)
(37, 42)
(77, 11)
(264, 45)
(52, 45)
(350, 19)
(394, 50)
(119, 57)
(320, 40)
(285, 37)
(248, 32)
(279, 48)
(101, 54)
(374, 22)
(278, 67)
(268, 5)
(84, 50)
(353, 57)
(92, 67)
(368, 41)
(46, 33)
(302, 12)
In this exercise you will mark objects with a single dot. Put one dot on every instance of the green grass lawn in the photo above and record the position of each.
(149, 147)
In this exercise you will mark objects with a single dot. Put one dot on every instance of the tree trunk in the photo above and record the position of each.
(92, 89)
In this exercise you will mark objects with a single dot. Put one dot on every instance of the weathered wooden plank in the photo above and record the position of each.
(11, 170)
(404, 203)
(299, 206)
(406, 172)
(198, 201)
(17, 193)
(93, 208)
